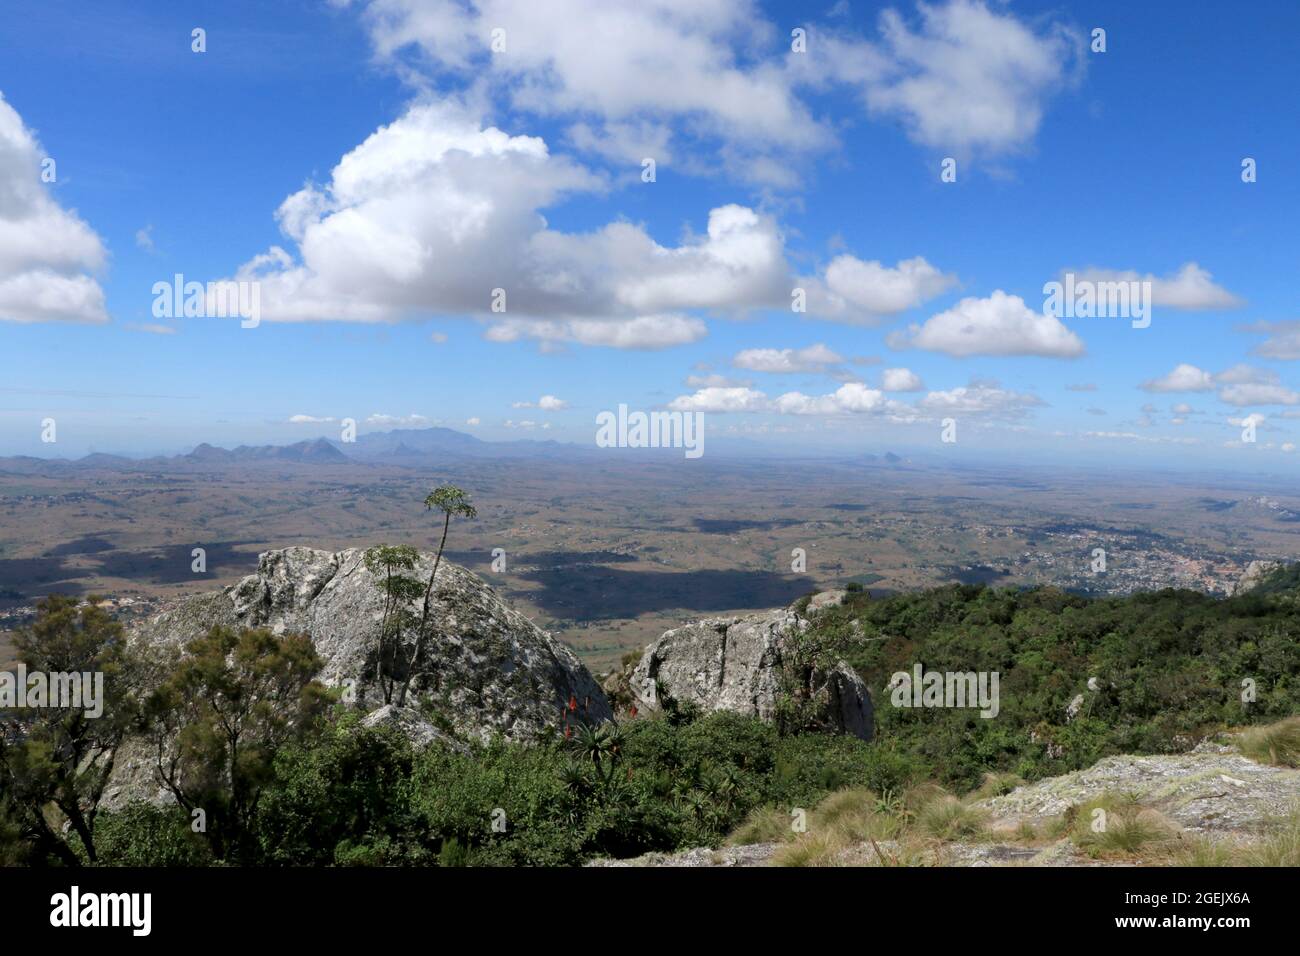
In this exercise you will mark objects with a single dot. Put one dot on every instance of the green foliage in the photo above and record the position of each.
(55, 761)
(341, 798)
(806, 656)
(144, 835)
(386, 564)
(451, 501)
(1170, 667)
(220, 718)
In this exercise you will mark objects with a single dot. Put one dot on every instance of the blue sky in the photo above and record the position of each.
(520, 169)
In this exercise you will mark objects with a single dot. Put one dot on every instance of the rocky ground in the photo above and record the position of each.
(1212, 791)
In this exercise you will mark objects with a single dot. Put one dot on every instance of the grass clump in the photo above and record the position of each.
(947, 818)
(763, 825)
(1117, 825)
(1277, 744)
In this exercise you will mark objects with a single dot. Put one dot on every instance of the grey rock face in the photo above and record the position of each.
(825, 599)
(1212, 788)
(1255, 572)
(736, 663)
(486, 670)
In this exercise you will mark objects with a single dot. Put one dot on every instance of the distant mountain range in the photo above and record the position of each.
(412, 447)
(407, 446)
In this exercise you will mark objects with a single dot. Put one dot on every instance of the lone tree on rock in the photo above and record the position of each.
(450, 500)
(400, 591)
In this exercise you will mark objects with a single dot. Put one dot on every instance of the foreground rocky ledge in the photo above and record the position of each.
(1211, 792)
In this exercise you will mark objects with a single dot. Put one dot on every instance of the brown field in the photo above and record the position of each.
(608, 554)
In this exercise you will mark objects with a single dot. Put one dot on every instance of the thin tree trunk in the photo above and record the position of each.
(424, 614)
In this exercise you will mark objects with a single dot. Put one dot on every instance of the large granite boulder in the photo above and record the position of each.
(487, 669)
(739, 664)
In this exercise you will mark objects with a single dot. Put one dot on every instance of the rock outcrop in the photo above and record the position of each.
(1212, 788)
(486, 670)
(1254, 575)
(737, 663)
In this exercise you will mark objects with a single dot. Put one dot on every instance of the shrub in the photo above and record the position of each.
(145, 835)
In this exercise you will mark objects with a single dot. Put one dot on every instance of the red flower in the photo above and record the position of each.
(633, 710)
(568, 731)
(573, 702)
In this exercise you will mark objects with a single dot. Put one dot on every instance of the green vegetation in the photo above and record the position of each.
(283, 774)
(1170, 667)
(219, 721)
(55, 761)
(393, 662)
(349, 795)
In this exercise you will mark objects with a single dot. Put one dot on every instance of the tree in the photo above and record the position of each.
(55, 760)
(400, 591)
(450, 500)
(229, 705)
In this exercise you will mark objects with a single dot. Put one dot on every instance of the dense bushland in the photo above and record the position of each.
(1169, 667)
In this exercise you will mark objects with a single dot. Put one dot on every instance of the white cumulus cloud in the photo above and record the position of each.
(46, 252)
(1000, 324)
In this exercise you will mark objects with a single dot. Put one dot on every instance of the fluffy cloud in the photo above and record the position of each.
(814, 358)
(1183, 378)
(1258, 394)
(434, 212)
(970, 77)
(1191, 287)
(547, 403)
(611, 62)
(850, 398)
(721, 399)
(1262, 389)
(309, 420)
(900, 380)
(647, 332)
(1282, 339)
(1243, 374)
(635, 79)
(413, 420)
(45, 251)
(854, 291)
(980, 399)
(998, 325)
(1239, 385)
